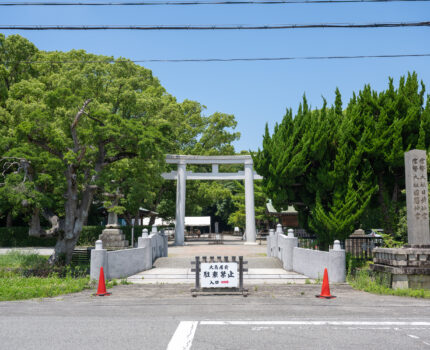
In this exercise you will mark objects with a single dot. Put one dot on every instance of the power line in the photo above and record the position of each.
(199, 2)
(240, 59)
(216, 27)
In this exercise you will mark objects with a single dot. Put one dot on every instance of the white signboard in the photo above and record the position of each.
(219, 275)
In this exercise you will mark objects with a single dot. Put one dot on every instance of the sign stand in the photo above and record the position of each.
(219, 276)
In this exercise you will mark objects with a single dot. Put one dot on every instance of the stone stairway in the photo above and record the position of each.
(178, 270)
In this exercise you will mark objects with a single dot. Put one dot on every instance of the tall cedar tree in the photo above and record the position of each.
(335, 166)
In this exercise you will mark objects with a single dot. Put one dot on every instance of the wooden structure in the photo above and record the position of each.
(287, 218)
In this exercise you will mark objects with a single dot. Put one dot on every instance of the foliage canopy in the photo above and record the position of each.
(337, 166)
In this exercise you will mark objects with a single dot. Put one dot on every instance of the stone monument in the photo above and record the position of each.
(417, 197)
(112, 236)
(409, 266)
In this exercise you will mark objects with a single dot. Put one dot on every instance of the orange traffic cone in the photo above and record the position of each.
(101, 290)
(325, 289)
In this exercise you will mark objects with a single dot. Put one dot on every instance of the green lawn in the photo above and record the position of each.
(14, 285)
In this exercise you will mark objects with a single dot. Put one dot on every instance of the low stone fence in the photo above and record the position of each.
(306, 261)
(127, 262)
(407, 267)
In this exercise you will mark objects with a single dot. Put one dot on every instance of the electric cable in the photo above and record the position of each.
(239, 59)
(189, 3)
(217, 27)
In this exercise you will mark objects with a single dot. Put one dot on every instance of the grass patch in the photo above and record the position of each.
(16, 259)
(28, 275)
(359, 276)
(18, 287)
(363, 281)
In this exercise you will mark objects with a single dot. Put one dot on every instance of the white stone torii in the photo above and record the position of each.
(182, 175)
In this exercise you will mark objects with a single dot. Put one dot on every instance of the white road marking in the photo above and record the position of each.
(184, 335)
(413, 336)
(314, 323)
(261, 328)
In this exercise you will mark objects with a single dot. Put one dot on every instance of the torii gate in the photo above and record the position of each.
(182, 175)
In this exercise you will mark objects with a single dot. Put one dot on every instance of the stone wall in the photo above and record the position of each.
(306, 261)
(407, 267)
(127, 262)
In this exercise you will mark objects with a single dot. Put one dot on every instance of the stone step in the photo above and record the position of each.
(112, 237)
(184, 275)
(115, 244)
(246, 281)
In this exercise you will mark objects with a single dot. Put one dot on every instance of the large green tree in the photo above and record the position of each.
(338, 165)
(76, 125)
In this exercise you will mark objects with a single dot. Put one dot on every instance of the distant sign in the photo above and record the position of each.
(219, 275)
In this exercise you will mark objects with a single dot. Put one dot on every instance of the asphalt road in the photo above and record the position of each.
(167, 317)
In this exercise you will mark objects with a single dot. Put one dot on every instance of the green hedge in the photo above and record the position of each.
(89, 235)
(18, 236)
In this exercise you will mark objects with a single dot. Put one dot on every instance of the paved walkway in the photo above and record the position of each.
(176, 268)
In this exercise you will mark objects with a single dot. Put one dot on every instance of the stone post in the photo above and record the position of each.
(145, 243)
(270, 240)
(290, 242)
(417, 197)
(165, 243)
(249, 204)
(337, 264)
(276, 249)
(98, 259)
(180, 204)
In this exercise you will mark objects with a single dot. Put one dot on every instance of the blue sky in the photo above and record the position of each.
(255, 92)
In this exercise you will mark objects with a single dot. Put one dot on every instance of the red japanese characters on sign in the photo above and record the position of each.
(219, 275)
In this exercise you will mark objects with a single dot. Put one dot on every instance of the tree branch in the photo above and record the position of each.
(42, 144)
(82, 154)
(119, 156)
(95, 119)
(35, 229)
(75, 123)
(22, 164)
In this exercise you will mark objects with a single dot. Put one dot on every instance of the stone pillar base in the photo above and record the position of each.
(407, 267)
(113, 239)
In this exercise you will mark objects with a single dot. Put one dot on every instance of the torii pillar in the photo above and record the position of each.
(249, 203)
(180, 203)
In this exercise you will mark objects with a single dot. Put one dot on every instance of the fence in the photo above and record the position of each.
(358, 247)
(306, 261)
(127, 262)
(361, 247)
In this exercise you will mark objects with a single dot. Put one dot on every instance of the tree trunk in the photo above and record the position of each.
(127, 218)
(68, 238)
(9, 219)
